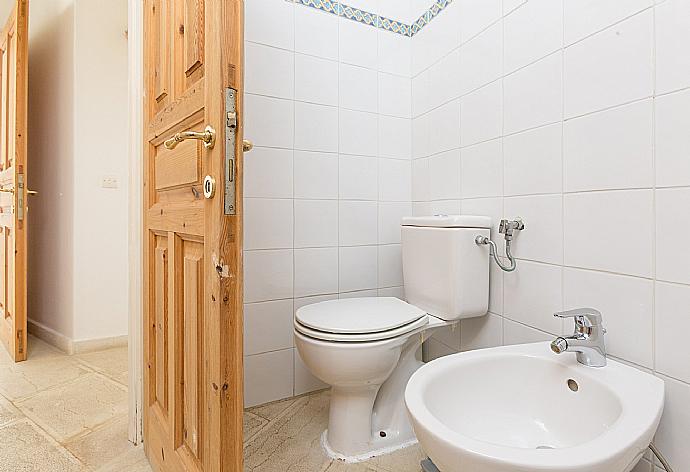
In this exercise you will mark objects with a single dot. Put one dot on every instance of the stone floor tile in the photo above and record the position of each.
(8, 412)
(34, 375)
(132, 461)
(25, 448)
(111, 362)
(73, 408)
(106, 443)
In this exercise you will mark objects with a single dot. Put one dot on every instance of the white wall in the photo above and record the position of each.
(100, 150)
(575, 116)
(51, 164)
(78, 134)
(328, 107)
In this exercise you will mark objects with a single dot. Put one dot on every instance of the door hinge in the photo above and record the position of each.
(20, 341)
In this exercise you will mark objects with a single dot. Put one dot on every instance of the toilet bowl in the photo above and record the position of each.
(365, 419)
(367, 348)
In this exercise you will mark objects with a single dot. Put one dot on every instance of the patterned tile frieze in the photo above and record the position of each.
(373, 19)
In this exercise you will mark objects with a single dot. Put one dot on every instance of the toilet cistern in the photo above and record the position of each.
(587, 340)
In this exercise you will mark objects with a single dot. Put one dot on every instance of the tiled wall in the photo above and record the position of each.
(328, 107)
(574, 115)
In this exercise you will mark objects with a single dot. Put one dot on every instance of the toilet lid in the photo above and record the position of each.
(358, 315)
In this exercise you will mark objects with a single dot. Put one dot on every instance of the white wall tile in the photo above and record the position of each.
(316, 271)
(672, 436)
(583, 18)
(390, 266)
(269, 121)
(395, 180)
(610, 68)
(533, 161)
(358, 223)
(267, 275)
(532, 294)
(358, 268)
(443, 79)
(481, 59)
(444, 128)
(533, 95)
(316, 80)
(672, 139)
(263, 64)
(542, 239)
(481, 114)
(390, 218)
(516, 333)
(532, 32)
(492, 207)
(627, 305)
(511, 5)
(611, 231)
(672, 36)
(481, 170)
(420, 180)
(358, 178)
(395, 137)
(672, 229)
(316, 175)
(421, 136)
(268, 223)
(395, 95)
(395, 53)
(444, 175)
(395, 292)
(481, 332)
(268, 326)
(358, 133)
(268, 174)
(268, 377)
(270, 22)
(610, 149)
(358, 88)
(316, 127)
(475, 15)
(316, 223)
(672, 324)
(316, 33)
(358, 44)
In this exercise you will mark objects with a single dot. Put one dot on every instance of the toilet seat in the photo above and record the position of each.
(359, 319)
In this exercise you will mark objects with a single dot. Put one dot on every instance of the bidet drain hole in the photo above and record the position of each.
(572, 385)
(382, 434)
(545, 447)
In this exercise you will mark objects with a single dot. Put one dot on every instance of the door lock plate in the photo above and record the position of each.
(229, 202)
(209, 186)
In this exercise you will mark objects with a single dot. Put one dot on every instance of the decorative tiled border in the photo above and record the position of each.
(372, 19)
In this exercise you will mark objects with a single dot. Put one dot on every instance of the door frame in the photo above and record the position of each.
(135, 226)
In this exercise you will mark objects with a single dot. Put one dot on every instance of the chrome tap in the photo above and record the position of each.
(588, 339)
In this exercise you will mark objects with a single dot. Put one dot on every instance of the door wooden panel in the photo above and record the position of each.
(13, 169)
(192, 250)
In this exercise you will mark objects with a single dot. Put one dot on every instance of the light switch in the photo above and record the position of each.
(110, 181)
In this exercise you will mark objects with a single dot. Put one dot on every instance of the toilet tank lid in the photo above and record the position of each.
(448, 221)
(358, 315)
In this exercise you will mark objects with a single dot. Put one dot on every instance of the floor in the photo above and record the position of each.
(286, 437)
(63, 413)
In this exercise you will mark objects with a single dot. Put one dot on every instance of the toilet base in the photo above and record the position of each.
(387, 449)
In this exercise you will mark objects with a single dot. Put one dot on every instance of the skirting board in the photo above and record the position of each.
(71, 346)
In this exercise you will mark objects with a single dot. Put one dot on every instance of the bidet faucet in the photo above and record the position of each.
(587, 340)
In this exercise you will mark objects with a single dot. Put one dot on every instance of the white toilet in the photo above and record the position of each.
(367, 348)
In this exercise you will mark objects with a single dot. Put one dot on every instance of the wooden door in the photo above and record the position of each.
(14, 55)
(193, 401)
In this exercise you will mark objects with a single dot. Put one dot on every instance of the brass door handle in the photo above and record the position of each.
(208, 136)
(31, 192)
